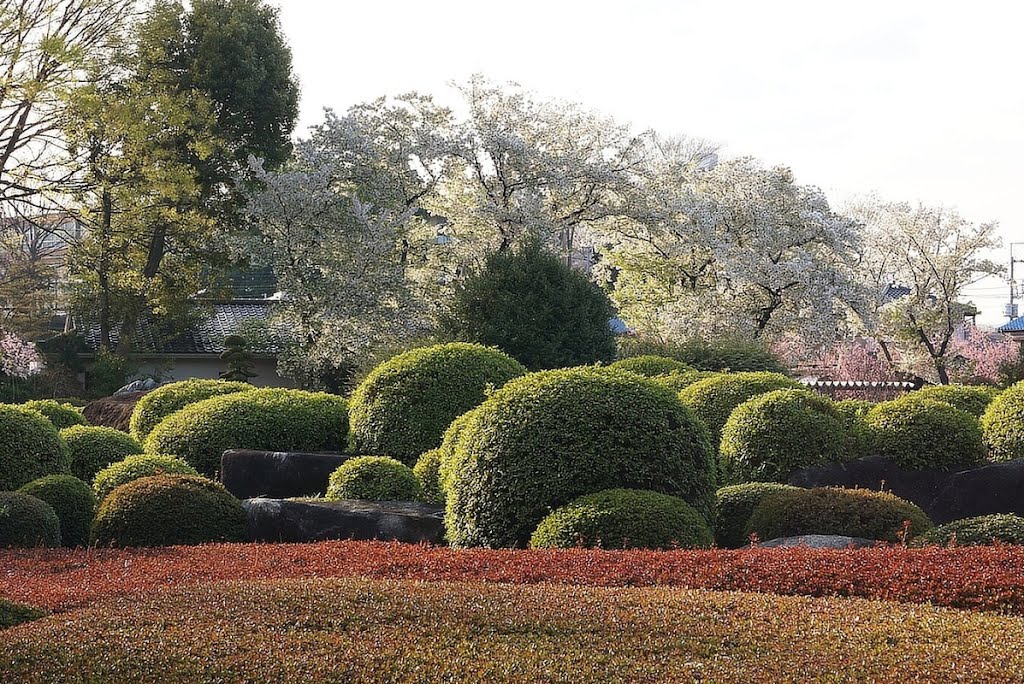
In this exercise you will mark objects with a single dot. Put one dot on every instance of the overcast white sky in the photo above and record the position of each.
(911, 100)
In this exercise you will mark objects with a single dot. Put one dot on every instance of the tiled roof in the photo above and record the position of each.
(1016, 325)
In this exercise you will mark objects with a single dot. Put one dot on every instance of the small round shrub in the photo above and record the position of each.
(427, 471)
(848, 512)
(30, 447)
(984, 530)
(165, 400)
(776, 433)
(547, 438)
(12, 614)
(72, 500)
(164, 510)
(27, 521)
(734, 505)
(858, 408)
(405, 404)
(61, 415)
(373, 478)
(854, 414)
(1002, 425)
(93, 448)
(623, 519)
(718, 355)
(922, 433)
(136, 467)
(269, 419)
(972, 399)
(650, 366)
(712, 400)
(680, 380)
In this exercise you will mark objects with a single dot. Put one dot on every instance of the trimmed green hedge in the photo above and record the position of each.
(136, 467)
(164, 510)
(405, 404)
(547, 438)
(849, 512)
(72, 500)
(854, 414)
(27, 521)
(623, 519)
(734, 506)
(270, 419)
(93, 448)
(165, 400)
(714, 399)
(30, 447)
(923, 433)
(719, 355)
(373, 478)
(776, 433)
(650, 366)
(62, 415)
(1002, 425)
(427, 470)
(12, 614)
(680, 380)
(972, 399)
(1001, 528)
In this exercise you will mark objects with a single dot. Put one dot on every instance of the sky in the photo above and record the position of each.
(912, 101)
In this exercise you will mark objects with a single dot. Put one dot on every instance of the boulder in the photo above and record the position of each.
(277, 474)
(944, 495)
(309, 520)
(818, 541)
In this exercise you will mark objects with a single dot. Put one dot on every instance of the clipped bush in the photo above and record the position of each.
(650, 366)
(62, 415)
(427, 470)
(72, 500)
(680, 380)
(826, 510)
(12, 614)
(163, 401)
(854, 414)
(30, 447)
(922, 433)
(405, 404)
(713, 399)
(972, 399)
(718, 355)
(373, 478)
(26, 521)
(164, 510)
(984, 530)
(136, 467)
(92, 448)
(623, 519)
(547, 438)
(270, 419)
(776, 433)
(734, 505)
(1002, 424)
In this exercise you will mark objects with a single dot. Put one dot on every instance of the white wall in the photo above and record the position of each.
(206, 367)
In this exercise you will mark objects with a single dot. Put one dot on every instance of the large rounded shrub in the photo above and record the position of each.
(93, 448)
(165, 400)
(735, 504)
(650, 366)
(774, 434)
(373, 478)
(62, 415)
(405, 404)
(30, 447)
(922, 433)
(1001, 528)
(849, 512)
(714, 399)
(854, 414)
(972, 399)
(1002, 425)
(72, 500)
(270, 419)
(428, 472)
(164, 510)
(27, 521)
(545, 439)
(623, 519)
(137, 467)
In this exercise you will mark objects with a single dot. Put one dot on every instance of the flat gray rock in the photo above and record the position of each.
(308, 520)
(818, 541)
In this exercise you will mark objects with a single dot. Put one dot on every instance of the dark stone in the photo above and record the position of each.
(818, 541)
(277, 474)
(944, 495)
(305, 520)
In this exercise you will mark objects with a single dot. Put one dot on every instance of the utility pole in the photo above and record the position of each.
(1010, 311)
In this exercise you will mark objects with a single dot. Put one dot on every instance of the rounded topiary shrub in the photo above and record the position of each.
(93, 448)
(72, 500)
(776, 433)
(405, 404)
(27, 521)
(733, 507)
(973, 399)
(373, 478)
(545, 439)
(165, 400)
(1002, 425)
(713, 399)
(848, 512)
(30, 447)
(163, 510)
(922, 433)
(650, 365)
(269, 419)
(62, 415)
(623, 519)
(136, 467)
(854, 414)
(427, 470)
(680, 380)
(1001, 528)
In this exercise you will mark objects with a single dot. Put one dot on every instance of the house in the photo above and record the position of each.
(1014, 329)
